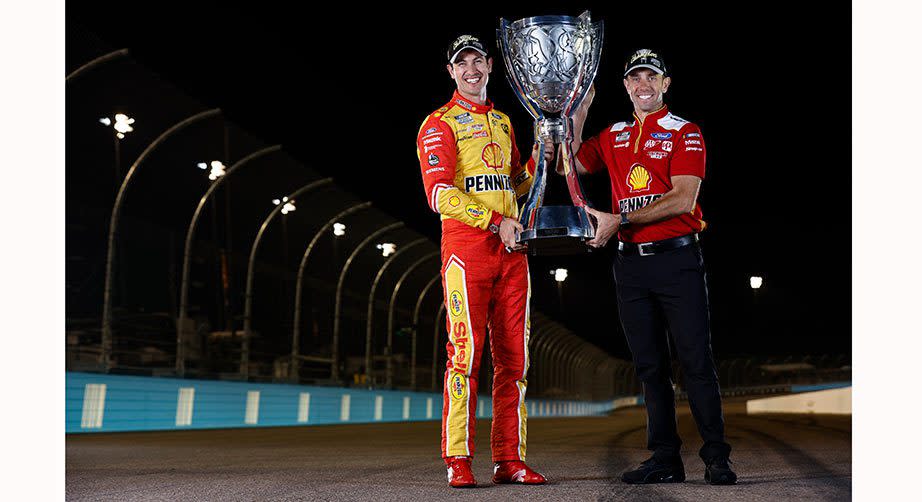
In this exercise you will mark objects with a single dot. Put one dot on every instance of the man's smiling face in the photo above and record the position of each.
(646, 88)
(471, 71)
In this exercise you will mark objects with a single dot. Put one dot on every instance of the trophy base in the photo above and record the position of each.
(558, 230)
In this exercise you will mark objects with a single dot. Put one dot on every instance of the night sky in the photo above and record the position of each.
(345, 94)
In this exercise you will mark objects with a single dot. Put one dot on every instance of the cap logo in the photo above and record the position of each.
(643, 53)
(463, 39)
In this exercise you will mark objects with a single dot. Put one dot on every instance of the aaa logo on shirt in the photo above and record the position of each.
(638, 180)
(492, 156)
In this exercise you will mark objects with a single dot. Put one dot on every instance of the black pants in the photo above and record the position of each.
(669, 290)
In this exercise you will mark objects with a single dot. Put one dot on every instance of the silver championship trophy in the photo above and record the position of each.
(551, 62)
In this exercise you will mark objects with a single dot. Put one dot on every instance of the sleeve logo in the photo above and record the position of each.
(433, 159)
(475, 211)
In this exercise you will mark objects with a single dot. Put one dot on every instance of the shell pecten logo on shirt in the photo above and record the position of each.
(475, 211)
(638, 179)
(454, 200)
(458, 386)
(456, 302)
(492, 155)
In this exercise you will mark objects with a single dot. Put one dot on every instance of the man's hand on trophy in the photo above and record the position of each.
(607, 225)
(579, 115)
(550, 152)
(509, 230)
(587, 101)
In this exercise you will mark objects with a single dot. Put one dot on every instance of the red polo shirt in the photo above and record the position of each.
(642, 157)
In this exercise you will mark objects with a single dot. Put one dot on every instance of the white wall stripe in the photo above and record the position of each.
(379, 406)
(304, 407)
(344, 407)
(94, 403)
(406, 408)
(184, 404)
(428, 407)
(252, 410)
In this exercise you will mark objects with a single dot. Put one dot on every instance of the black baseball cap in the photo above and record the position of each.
(465, 42)
(645, 58)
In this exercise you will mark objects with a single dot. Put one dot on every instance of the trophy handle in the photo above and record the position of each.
(536, 192)
(569, 165)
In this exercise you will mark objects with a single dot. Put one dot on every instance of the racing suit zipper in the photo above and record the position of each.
(639, 135)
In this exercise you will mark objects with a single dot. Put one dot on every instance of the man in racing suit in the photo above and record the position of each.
(472, 175)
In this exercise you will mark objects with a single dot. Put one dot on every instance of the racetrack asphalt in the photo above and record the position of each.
(777, 457)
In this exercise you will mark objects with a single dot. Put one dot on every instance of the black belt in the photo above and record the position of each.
(655, 247)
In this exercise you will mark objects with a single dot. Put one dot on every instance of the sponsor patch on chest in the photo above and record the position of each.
(638, 178)
(635, 203)
(487, 183)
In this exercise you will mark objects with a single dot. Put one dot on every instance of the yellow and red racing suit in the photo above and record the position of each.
(472, 174)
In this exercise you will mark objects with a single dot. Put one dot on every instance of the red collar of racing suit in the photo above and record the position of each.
(658, 114)
(458, 99)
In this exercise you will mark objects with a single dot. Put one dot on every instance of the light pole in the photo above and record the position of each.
(96, 62)
(369, 327)
(296, 329)
(435, 343)
(122, 126)
(187, 251)
(284, 208)
(105, 353)
(560, 275)
(419, 304)
(755, 282)
(337, 310)
(390, 314)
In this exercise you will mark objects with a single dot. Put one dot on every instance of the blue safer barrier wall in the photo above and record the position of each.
(110, 403)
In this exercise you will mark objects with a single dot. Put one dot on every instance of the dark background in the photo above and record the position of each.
(345, 92)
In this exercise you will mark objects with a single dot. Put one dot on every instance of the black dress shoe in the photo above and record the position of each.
(718, 472)
(654, 470)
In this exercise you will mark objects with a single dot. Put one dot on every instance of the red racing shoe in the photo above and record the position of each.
(515, 471)
(459, 472)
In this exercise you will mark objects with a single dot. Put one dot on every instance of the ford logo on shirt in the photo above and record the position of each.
(661, 135)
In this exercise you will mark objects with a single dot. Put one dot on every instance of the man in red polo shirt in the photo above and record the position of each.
(656, 165)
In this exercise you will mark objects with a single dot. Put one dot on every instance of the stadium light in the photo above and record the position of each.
(122, 124)
(217, 169)
(387, 248)
(560, 274)
(288, 205)
(755, 282)
(339, 229)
